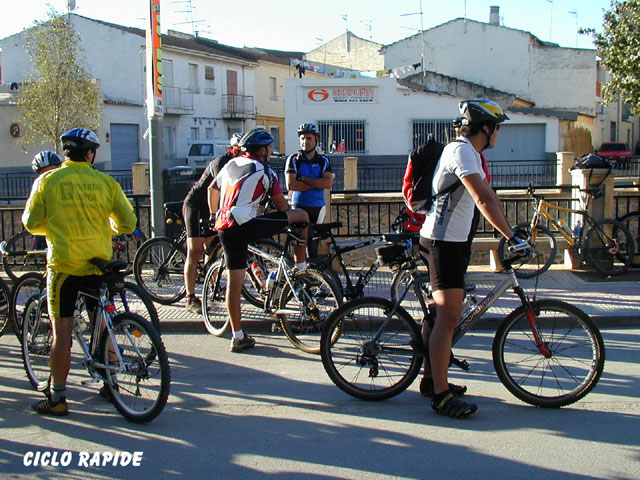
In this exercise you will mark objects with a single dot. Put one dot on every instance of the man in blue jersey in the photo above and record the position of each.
(308, 174)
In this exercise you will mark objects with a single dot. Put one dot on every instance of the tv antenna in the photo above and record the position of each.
(368, 26)
(574, 12)
(421, 30)
(190, 16)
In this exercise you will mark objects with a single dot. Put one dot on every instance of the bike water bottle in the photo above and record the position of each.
(468, 304)
(258, 273)
(577, 229)
(83, 324)
(271, 280)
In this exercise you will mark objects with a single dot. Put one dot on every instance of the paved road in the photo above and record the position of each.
(273, 413)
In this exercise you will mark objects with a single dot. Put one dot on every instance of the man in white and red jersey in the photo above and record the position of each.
(235, 194)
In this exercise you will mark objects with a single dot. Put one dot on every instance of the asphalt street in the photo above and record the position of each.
(273, 412)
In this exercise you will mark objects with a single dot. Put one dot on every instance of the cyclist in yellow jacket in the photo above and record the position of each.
(78, 208)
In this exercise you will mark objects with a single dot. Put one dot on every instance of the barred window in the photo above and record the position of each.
(343, 136)
(442, 130)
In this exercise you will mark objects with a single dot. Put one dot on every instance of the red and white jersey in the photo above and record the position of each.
(244, 183)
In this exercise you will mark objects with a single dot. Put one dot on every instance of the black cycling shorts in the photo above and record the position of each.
(196, 221)
(235, 240)
(447, 262)
(62, 292)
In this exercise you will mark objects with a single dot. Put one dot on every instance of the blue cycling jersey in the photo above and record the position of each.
(299, 164)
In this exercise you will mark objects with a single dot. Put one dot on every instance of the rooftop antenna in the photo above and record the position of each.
(368, 26)
(71, 5)
(190, 16)
(422, 32)
(575, 13)
(550, 20)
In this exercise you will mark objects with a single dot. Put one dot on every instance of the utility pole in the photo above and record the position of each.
(155, 113)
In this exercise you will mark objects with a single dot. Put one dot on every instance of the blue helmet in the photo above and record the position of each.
(80, 138)
(255, 139)
(309, 127)
(44, 159)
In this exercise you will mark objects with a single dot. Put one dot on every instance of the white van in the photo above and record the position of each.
(201, 152)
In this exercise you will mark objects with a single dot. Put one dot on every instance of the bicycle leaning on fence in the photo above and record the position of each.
(605, 245)
(631, 221)
(300, 301)
(546, 352)
(123, 350)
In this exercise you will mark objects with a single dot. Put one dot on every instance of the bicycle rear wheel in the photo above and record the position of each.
(608, 247)
(214, 310)
(571, 368)
(27, 289)
(5, 306)
(541, 256)
(37, 335)
(364, 366)
(132, 298)
(15, 265)
(140, 385)
(632, 222)
(303, 320)
(158, 268)
(251, 289)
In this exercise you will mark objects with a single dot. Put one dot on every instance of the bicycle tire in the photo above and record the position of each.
(214, 311)
(142, 388)
(632, 222)
(608, 253)
(577, 354)
(327, 269)
(158, 268)
(538, 261)
(36, 339)
(251, 290)
(362, 368)
(303, 322)
(5, 306)
(22, 263)
(133, 298)
(399, 279)
(26, 289)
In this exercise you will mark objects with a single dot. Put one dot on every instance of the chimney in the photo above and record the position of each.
(494, 15)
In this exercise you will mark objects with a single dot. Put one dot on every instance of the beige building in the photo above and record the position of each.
(351, 52)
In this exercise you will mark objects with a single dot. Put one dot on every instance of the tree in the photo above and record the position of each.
(59, 93)
(619, 50)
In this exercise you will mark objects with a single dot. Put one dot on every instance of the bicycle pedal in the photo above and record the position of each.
(276, 328)
(89, 382)
(463, 364)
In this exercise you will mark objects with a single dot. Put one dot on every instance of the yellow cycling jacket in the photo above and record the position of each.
(78, 209)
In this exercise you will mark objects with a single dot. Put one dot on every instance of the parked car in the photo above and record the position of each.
(616, 152)
(202, 152)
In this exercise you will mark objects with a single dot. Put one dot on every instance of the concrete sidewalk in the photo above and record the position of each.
(610, 302)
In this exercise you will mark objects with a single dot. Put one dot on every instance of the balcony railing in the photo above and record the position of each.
(177, 100)
(238, 106)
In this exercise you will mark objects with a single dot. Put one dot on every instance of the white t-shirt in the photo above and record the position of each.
(450, 216)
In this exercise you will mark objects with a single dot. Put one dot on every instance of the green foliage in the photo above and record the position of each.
(619, 49)
(59, 93)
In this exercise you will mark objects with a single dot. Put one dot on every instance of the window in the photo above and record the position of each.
(208, 133)
(613, 132)
(167, 73)
(442, 130)
(169, 142)
(275, 133)
(232, 82)
(273, 88)
(348, 135)
(209, 78)
(195, 134)
(194, 86)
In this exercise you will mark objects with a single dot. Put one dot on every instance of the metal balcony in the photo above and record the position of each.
(238, 106)
(177, 101)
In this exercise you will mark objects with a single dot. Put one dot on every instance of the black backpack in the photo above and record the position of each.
(418, 176)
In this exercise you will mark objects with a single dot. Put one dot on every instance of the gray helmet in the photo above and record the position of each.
(45, 159)
(235, 139)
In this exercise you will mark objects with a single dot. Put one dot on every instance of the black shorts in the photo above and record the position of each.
(447, 262)
(235, 240)
(196, 221)
(62, 292)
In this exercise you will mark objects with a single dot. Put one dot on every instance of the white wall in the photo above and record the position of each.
(388, 120)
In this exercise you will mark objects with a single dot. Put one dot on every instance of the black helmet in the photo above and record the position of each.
(309, 128)
(45, 159)
(255, 139)
(80, 138)
(479, 111)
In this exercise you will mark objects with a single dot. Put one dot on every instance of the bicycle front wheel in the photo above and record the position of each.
(566, 372)
(304, 317)
(5, 306)
(377, 354)
(632, 222)
(541, 256)
(140, 384)
(132, 298)
(27, 289)
(15, 265)
(214, 310)
(37, 335)
(608, 247)
(158, 268)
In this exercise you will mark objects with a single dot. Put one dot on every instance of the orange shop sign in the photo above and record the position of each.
(340, 95)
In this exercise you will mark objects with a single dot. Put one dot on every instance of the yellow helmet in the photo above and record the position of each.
(481, 110)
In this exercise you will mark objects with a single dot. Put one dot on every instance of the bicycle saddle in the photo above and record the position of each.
(108, 266)
(322, 230)
(399, 237)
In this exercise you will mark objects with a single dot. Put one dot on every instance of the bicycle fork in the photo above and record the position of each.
(541, 345)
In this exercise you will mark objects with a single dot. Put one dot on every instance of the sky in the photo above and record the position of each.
(303, 26)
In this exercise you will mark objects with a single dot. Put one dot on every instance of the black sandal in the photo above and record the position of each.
(450, 406)
(427, 389)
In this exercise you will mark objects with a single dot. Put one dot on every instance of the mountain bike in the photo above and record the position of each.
(632, 222)
(123, 350)
(605, 245)
(547, 353)
(300, 301)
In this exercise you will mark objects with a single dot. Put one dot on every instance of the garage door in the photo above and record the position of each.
(519, 142)
(124, 145)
